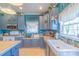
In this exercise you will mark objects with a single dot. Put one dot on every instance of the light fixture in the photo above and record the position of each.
(17, 4)
(8, 11)
(40, 8)
(54, 6)
(20, 8)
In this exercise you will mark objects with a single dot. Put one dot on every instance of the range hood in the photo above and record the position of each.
(12, 26)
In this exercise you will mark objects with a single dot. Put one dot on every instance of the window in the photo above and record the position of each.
(71, 27)
(32, 27)
(32, 24)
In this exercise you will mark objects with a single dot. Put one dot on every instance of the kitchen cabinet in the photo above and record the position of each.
(34, 43)
(55, 25)
(27, 43)
(3, 22)
(20, 39)
(42, 43)
(15, 51)
(44, 22)
(21, 23)
(13, 38)
(8, 53)
(6, 20)
(12, 50)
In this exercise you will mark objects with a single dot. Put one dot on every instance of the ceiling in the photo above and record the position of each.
(27, 8)
(34, 8)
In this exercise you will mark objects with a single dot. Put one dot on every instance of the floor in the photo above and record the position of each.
(32, 52)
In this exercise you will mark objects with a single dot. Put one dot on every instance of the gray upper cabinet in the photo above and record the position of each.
(6, 19)
(21, 22)
(11, 19)
(44, 22)
(2, 22)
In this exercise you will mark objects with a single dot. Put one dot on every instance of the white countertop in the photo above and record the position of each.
(60, 47)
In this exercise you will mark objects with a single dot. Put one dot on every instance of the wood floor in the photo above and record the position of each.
(32, 52)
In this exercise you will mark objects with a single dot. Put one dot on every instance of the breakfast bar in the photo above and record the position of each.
(9, 48)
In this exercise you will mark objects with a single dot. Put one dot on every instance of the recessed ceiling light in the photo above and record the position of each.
(40, 8)
(8, 11)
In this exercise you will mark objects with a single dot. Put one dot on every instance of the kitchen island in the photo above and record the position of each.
(60, 48)
(9, 48)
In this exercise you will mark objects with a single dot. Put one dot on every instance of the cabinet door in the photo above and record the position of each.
(22, 43)
(21, 23)
(15, 51)
(8, 53)
(36, 43)
(42, 43)
(20, 39)
(27, 43)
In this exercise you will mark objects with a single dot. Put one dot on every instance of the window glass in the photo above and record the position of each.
(78, 31)
(70, 17)
(65, 30)
(71, 27)
(75, 26)
(78, 26)
(32, 27)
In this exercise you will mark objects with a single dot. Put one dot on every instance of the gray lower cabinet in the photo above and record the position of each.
(1, 38)
(27, 43)
(20, 39)
(34, 43)
(14, 51)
